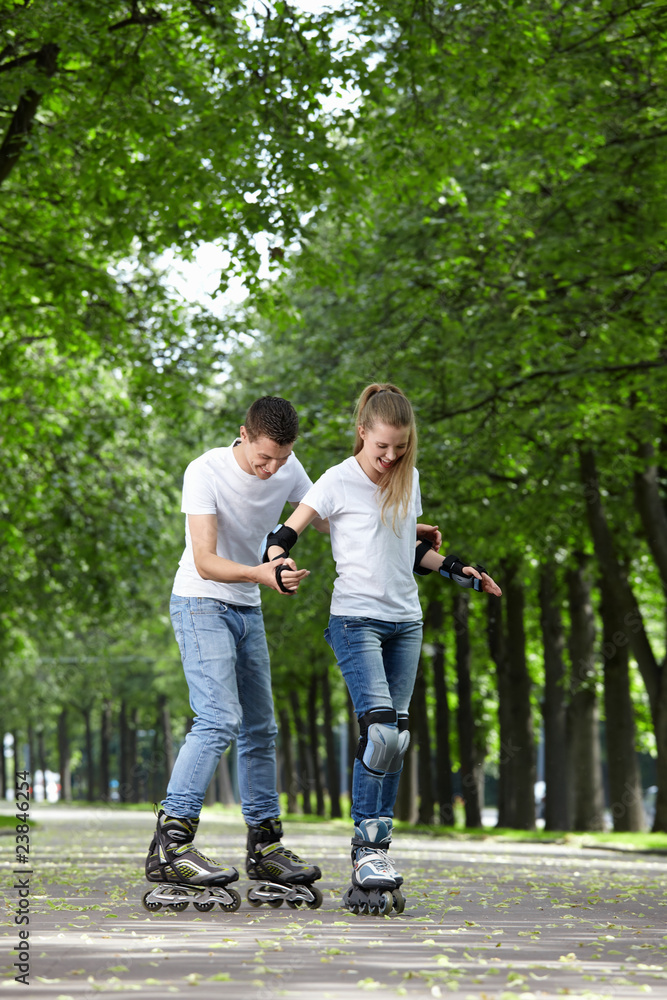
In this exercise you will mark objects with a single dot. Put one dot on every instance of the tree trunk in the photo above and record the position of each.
(406, 800)
(352, 742)
(291, 781)
(123, 768)
(155, 768)
(90, 761)
(41, 757)
(225, 790)
(4, 787)
(105, 741)
(444, 792)
(498, 651)
(586, 801)
(630, 624)
(419, 723)
(211, 795)
(332, 769)
(651, 509)
(517, 751)
(164, 722)
(30, 764)
(554, 708)
(20, 126)
(314, 744)
(625, 790)
(129, 772)
(464, 714)
(302, 753)
(64, 757)
(16, 752)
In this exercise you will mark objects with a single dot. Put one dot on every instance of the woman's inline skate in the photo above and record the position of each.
(281, 876)
(182, 873)
(375, 887)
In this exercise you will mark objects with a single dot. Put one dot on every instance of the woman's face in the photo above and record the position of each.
(383, 447)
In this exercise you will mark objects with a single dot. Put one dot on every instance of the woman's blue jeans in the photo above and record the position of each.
(226, 662)
(379, 663)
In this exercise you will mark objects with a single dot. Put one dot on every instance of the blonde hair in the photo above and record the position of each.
(384, 403)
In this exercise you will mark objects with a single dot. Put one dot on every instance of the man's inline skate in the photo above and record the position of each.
(376, 885)
(183, 873)
(280, 875)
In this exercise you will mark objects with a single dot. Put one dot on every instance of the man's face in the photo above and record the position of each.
(262, 457)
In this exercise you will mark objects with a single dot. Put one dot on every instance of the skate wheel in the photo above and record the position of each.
(151, 905)
(204, 907)
(275, 903)
(385, 904)
(178, 907)
(232, 906)
(250, 896)
(398, 900)
(314, 903)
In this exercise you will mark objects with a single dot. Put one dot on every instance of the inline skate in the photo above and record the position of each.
(183, 873)
(280, 875)
(376, 885)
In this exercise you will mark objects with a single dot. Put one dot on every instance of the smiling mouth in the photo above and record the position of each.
(385, 464)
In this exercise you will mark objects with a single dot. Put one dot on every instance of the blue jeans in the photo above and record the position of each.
(379, 663)
(226, 662)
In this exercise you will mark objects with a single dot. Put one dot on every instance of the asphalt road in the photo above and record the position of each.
(484, 920)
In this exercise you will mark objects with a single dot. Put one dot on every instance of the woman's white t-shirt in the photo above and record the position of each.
(247, 508)
(374, 564)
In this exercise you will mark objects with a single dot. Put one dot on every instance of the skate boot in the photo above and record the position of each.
(183, 873)
(279, 873)
(375, 887)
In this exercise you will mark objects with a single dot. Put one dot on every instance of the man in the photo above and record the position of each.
(232, 497)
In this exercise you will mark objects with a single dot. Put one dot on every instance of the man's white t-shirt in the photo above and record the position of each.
(374, 564)
(247, 508)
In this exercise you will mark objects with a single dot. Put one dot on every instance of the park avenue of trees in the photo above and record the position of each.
(480, 218)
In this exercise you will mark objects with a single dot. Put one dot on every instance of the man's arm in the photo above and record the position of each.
(211, 566)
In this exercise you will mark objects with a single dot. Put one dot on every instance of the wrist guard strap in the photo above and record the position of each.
(279, 577)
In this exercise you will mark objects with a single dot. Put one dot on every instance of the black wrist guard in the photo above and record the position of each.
(420, 551)
(281, 535)
(452, 569)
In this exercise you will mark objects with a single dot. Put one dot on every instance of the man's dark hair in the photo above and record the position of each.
(274, 418)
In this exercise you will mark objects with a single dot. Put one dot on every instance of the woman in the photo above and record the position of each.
(372, 502)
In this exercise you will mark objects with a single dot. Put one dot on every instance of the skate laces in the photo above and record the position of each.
(376, 857)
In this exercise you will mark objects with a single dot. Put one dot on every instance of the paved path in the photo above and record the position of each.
(484, 921)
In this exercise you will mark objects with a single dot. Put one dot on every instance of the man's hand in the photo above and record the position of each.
(291, 577)
(429, 533)
(489, 586)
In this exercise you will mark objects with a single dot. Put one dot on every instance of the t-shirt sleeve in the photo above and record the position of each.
(301, 484)
(323, 496)
(198, 490)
